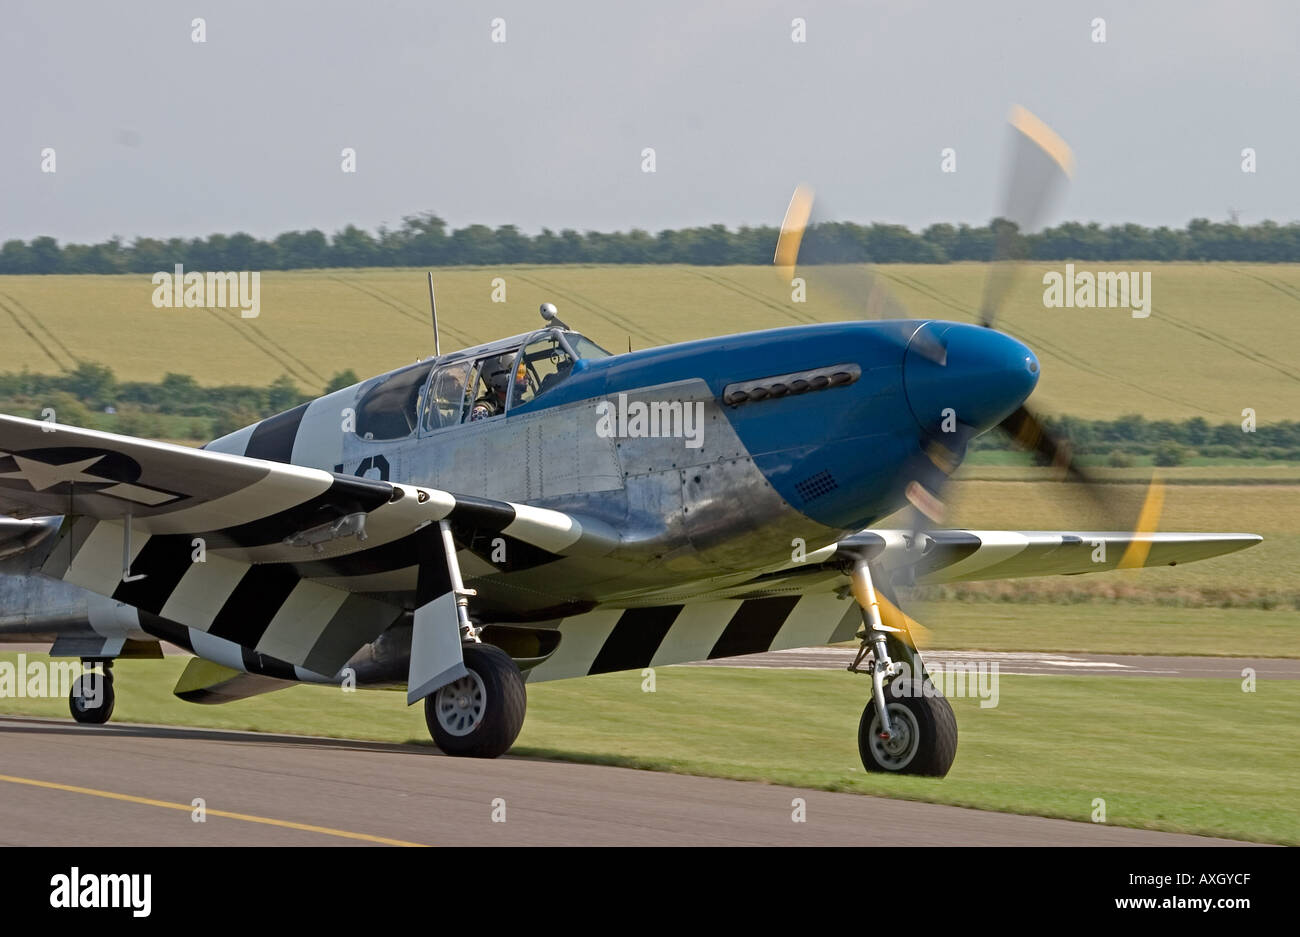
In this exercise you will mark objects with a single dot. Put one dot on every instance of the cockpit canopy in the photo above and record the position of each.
(478, 383)
(388, 410)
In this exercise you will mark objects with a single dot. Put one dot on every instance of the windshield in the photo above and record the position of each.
(584, 347)
(547, 362)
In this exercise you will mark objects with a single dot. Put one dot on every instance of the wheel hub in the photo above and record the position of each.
(461, 705)
(897, 743)
(897, 749)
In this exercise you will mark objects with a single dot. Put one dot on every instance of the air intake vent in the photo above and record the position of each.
(814, 486)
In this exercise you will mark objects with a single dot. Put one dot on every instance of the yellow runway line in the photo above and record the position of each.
(189, 808)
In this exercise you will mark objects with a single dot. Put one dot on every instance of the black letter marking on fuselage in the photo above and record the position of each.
(369, 462)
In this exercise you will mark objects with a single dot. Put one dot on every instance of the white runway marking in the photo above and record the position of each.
(1032, 664)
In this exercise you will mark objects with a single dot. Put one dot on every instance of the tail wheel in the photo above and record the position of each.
(479, 715)
(92, 698)
(924, 740)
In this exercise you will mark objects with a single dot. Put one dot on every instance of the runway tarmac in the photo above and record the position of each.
(64, 784)
(1037, 664)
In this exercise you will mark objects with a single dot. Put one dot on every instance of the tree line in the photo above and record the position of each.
(1168, 442)
(424, 240)
(178, 407)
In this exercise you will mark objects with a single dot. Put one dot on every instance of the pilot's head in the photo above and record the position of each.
(499, 381)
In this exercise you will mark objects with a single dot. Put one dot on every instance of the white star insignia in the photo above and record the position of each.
(42, 475)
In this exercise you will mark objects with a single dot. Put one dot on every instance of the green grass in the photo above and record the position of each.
(989, 622)
(1219, 338)
(1183, 755)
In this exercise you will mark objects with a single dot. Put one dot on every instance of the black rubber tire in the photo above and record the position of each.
(936, 724)
(77, 701)
(503, 715)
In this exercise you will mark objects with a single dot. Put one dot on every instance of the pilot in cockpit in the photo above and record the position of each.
(493, 402)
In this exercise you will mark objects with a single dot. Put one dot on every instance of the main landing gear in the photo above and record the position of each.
(907, 727)
(92, 697)
(479, 715)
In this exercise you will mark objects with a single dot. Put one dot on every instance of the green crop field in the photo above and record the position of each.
(1221, 337)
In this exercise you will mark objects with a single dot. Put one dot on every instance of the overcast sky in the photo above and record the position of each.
(157, 135)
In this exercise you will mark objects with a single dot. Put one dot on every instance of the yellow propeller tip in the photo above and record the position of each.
(793, 226)
(1047, 139)
(1135, 557)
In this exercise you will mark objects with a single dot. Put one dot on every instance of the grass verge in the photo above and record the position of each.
(1181, 755)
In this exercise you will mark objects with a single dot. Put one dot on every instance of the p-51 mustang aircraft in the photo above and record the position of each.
(537, 508)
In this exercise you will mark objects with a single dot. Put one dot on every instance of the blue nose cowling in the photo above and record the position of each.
(984, 375)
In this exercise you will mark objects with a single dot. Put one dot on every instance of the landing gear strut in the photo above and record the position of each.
(907, 727)
(92, 697)
(478, 715)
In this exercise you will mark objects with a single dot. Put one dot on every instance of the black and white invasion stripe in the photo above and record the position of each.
(608, 640)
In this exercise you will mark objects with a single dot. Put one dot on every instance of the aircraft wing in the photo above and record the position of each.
(808, 604)
(249, 553)
(969, 555)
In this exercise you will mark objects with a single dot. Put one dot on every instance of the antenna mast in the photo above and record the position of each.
(433, 308)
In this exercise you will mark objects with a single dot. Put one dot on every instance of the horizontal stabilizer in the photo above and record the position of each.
(98, 647)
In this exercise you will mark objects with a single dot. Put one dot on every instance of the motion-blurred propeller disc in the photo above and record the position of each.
(894, 617)
(1029, 433)
(941, 454)
(1040, 165)
(828, 257)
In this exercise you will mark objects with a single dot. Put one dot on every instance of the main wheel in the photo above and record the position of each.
(479, 715)
(924, 740)
(92, 698)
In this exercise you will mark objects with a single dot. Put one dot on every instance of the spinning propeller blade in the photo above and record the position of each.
(827, 257)
(793, 227)
(1040, 165)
